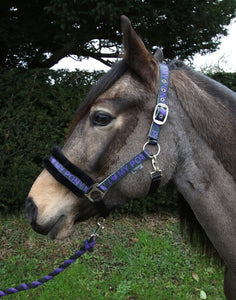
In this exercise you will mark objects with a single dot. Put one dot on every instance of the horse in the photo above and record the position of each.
(195, 149)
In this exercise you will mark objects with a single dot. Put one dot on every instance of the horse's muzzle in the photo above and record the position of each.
(31, 211)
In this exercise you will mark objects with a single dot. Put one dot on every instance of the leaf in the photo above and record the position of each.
(203, 295)
(195, 277)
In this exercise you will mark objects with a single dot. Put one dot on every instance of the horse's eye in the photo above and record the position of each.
(101, 118)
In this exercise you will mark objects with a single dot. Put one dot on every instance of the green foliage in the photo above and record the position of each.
(40, 33)
(35, 112)
(228, 79)
(135, 258)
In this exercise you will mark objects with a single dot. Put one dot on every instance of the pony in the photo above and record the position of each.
(196, 150)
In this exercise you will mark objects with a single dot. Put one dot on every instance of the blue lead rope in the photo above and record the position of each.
(88, 246)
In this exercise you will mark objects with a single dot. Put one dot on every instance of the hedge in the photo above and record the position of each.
(228, 79)
(36, 107)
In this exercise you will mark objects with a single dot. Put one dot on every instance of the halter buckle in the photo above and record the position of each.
(160, 113)
(95, 194)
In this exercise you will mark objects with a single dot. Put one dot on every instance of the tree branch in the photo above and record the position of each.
(100, 56)
(87, 53)
(105, 62)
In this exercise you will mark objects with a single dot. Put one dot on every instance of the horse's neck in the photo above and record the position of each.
(205, 184)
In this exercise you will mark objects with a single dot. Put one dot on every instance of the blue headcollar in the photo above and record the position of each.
(81, 184)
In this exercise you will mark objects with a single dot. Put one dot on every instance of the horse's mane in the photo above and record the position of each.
(212, 109)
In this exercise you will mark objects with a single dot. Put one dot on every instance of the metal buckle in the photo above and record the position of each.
(95, 193)
(160, 105)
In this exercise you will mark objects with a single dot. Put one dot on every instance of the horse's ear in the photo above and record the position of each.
(158, 55)
(136, 54)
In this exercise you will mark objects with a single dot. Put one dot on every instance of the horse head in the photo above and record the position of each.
(110, 128)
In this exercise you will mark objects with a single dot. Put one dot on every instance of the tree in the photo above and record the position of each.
(41, 32)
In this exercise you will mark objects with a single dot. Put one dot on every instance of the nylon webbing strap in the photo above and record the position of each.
(80, 183)
(161, 110)
(133, 165)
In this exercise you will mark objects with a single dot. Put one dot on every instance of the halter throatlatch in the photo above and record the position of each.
(83, 185)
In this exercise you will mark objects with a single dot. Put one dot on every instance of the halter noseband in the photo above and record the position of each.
(81, 184)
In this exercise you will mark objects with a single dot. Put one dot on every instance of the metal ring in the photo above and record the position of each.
(152, 155)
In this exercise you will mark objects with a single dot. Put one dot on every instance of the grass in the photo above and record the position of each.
(136, 258)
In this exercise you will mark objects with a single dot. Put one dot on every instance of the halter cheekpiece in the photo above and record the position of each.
(83, 185)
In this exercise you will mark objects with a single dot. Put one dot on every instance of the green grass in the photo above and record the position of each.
(135, 258)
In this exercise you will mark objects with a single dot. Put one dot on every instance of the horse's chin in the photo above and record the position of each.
(64, 226)
(61, 229)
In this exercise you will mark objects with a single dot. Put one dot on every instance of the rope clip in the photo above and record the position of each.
(155, 164)
(100, 227)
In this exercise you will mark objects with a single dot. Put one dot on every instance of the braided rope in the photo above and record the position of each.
(88, 246)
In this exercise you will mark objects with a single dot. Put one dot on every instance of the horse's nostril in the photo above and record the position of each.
(31, 210)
